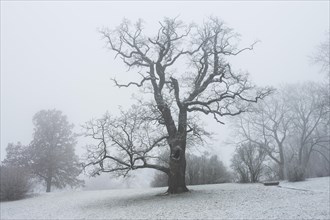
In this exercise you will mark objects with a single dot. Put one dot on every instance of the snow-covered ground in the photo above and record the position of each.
(302, 200)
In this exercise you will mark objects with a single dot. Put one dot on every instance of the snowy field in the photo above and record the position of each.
(302, 200)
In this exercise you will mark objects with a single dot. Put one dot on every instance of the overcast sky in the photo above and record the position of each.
(53, 57)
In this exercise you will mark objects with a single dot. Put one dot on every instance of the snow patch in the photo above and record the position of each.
(219, 201)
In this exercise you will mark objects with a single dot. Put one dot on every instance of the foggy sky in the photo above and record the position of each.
(53, 57)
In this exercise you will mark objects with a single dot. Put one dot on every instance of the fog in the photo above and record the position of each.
(52, 55)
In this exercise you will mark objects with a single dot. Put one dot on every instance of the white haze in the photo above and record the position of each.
(53, 57)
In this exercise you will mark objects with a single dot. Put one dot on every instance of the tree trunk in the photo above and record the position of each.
(176, 177)
(281, 171)
(49, 184)
(282, 162)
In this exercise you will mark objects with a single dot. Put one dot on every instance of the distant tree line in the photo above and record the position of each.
(205, 169)
(286, 136)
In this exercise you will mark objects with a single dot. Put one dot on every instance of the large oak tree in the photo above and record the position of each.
(187, 71)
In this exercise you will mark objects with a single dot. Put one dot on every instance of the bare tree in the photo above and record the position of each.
(248, 162)
(209, 85)
(267, 126)
(290, 126)
(310, 117)
(322, 55)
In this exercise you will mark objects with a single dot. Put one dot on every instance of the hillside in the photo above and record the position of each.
(302, 200)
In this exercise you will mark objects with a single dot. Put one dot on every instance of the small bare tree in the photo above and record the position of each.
(248, 162)
(207, 83)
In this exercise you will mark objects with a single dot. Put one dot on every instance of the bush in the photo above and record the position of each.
(205, 169)
(160, 180)
(248, 163)
(200, 170)
(295, 174)
(14, 183)
(271, 172)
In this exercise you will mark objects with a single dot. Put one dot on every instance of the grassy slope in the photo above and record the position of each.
(224, 201)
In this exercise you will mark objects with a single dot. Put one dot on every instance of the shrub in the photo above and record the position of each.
(14, 183)
(160, 180)
(248, 163)
(200, 170)
(295, 174)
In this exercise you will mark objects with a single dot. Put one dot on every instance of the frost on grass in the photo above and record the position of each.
(302, 200)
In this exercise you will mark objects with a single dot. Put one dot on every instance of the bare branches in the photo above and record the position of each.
(322, 55)
(217, 89)
(248, 162)
(128, 43)
(132, 83)
(225, 103)
(123, 144)
(241, 50)
(170, 35)
(267, 126)
(310, 119)
(129, 142)
(289, 126)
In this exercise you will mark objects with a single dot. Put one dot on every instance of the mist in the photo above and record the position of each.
(53, 57)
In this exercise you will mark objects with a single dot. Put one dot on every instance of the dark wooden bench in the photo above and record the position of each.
(272, 183)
